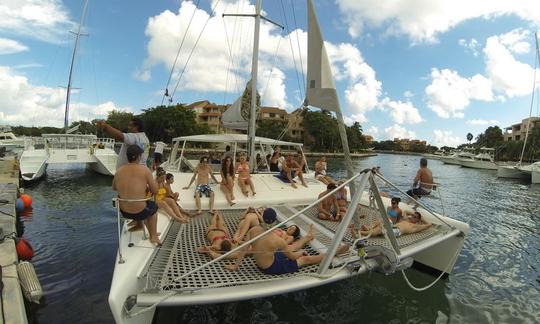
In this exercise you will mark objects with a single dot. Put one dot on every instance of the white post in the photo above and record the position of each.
(254, 71)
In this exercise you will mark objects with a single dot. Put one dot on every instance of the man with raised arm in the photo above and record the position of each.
(203, 172)
(135, 136)
(132, 181)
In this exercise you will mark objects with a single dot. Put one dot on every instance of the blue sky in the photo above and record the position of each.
(432, 70)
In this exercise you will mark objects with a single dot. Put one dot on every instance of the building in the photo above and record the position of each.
(273, 113)
(208, 113)
(296, 124)
(517, 132)
(368, 138)
(407, 144)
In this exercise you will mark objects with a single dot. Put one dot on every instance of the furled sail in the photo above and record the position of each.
(237, 115)
(321, 90)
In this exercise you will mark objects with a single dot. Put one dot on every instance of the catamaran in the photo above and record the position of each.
(68, 148)
(146, 277)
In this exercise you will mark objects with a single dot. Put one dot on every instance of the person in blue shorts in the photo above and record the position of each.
(275, 257)
(202, 173)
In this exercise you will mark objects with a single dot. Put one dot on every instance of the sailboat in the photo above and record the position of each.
(68, 148)
(520, 170)
(146, 277)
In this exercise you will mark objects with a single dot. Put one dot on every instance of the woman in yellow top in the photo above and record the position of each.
(168, 205)
(244, 177)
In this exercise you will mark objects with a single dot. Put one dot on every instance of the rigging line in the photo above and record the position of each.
(179, 49)
(298, 44)
(271, 69)
(292, 48)
(193, 49)
(228, 63)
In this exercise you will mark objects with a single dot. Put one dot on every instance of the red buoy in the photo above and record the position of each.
(27, 200)
(24, 249)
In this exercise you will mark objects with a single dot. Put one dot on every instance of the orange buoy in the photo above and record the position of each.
(24, 249)
(27, 200)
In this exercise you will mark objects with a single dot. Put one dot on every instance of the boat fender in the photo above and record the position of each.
(27, 200)
(24, 249)
(19, 205)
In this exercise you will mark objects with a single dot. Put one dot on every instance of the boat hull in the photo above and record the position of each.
(105, 162)
(33, 164)
(449, 160)
(511, 172)
(474, 164)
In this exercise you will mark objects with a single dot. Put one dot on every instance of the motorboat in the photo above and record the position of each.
(466, 154)
(483, 160)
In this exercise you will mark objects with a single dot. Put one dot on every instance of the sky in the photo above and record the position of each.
(425, 69)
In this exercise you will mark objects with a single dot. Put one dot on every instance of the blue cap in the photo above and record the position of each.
(269, 215)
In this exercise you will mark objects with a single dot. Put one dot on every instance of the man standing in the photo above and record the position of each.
(131, 181)
(134, 136)
(423, 179)
(203, 172)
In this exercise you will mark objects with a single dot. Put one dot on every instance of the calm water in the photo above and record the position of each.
(496, 278)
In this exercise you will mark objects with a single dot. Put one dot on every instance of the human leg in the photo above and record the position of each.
(177, 212)
(198, 202)
(242, 185)
(151, 225)
(251, 186)
(301, 177)
(211, 202)
(248, 222)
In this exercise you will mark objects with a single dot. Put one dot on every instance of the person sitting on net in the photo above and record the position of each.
(329, 207)
(406, 226)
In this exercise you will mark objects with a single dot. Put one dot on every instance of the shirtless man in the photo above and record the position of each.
(131, 181)
(407, 226)
(329, 207)
(290, 169)
(274, 256)
(320, 171)
(203, 172)
(424, 180)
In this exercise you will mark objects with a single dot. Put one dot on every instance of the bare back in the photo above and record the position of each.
(265, 247)
(425, 176)
(131, 181)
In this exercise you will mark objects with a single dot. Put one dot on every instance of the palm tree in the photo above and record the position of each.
(469, 137)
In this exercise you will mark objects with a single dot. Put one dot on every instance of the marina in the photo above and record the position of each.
(507, 209)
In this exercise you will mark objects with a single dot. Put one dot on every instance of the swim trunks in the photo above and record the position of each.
(204, 189)
(283, 175)
(150, 209)
(281, 265)
(418, 192)
(397, 232)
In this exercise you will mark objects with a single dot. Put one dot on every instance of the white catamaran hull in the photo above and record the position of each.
(33, 164)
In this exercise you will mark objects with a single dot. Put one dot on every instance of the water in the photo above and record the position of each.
(496, 278)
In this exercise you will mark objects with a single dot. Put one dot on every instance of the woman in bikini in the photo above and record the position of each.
(274, 161)
(244, 177)
(219, 238)
(394, 212)
(227, 179)
(165, 203)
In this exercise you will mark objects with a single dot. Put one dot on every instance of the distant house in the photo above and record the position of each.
(368, 138)
(517, 131)
(208, 113)
(406, 144)
(273, 113)
(296, 124)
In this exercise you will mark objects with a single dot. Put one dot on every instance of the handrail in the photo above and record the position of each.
(117, 205)
(247, 243)
(416, 201)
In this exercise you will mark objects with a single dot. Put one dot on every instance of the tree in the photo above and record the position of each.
(470, 137)
(270, 128)
(119, 119)
(491, 137)
(355, 138)
(322, 127)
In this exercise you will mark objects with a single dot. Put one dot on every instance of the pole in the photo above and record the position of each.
(254, 72)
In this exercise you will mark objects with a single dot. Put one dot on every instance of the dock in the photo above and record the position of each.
(12, 298)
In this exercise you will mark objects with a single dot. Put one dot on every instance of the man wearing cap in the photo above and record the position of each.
(135, 136)
(132, 181)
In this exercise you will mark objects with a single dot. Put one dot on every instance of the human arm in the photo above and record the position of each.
(110, 130)
(114, 184)
(417, 178)
(192, 178)
(212, 175)
(239, 256)
(288, 250)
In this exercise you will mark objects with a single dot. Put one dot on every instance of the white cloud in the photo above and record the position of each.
(397, 131)
(449, 94)
(44, 20)
(482, 122)
(471, 46)
(408, 94)
(423, 20)
(509, 76)
(401, 112)
(372, 130)
(26, 104)
(446, 138)
(141, 75)
(210, 68)
(10, 46)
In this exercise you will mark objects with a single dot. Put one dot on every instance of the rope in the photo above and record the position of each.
(193, 49)
(298, 44)
(292, 48)
(435, 281)
(178, 52)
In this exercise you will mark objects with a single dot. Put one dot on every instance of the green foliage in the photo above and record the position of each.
(491, 137)
(165, 123)
(386, 146)
(119, 119)
(469, 137)
(270, 128)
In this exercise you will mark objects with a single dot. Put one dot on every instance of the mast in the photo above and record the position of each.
(532, 100)
(77, 38)
(254, 72)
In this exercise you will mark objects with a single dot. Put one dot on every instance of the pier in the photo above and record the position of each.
(12, 298)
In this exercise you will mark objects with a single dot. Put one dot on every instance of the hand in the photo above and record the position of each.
(202, 249)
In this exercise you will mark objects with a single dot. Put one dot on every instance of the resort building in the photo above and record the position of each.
(296, 125)
(368, 138)
(208, 113)
(406, 144)
(517, 132)
(273, 113)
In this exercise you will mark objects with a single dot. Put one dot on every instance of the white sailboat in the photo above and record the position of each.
(521, 171)
(68, 148)
(175, 274)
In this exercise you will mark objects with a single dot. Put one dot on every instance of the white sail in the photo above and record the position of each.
(321, 90)
(237, 115)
